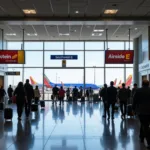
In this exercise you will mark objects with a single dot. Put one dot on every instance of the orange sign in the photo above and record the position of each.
(12, 57)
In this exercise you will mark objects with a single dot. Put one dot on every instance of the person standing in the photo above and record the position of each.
(2, 94)
(81, 92)
(104, 95)
(20, 99)
(87, 94)
(30, 95)
(141, 105)
(123, 98)
(37, 95)
(75, 94)
(10, 93)
(61, 95)
(55, 94)
(90, 94)
(68, 93)
(112, 98)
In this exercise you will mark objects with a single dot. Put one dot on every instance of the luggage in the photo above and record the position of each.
(130, 110)
(70, 98)
(42, 103)
(14, 99)
(8, 113)
(34, 107)
(82, 99)
(1, 106)
(116, 107)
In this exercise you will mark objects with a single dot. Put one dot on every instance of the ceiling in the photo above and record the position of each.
(75, 32)
(47, 25)
(67, 8)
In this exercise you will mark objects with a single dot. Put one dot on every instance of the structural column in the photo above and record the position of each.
(136, 44)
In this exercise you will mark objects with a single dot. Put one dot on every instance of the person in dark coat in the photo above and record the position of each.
(104, 95)
(10, 92)
(30, 95)
(141, 105)
(2, 94)
(112, 98)
(123, 98)
(20, 99)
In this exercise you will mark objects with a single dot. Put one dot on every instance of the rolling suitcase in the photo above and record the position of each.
(1, 106)
(130, 110)
(42, 103)
(8, 113)
(34, 107)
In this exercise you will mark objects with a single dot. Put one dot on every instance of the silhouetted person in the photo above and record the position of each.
(81, 92)
(87, 94)
(112, 97)
(129, 91)
(20, 99)
(104, 95)
(2, 94)
(135, 87)
(36, 95)
(123, 97)
(10, 92)
(90, 94)
(55, 94)
(141, 105)
(75, 93)
(61, 95)
(68, 93)
(30, 95)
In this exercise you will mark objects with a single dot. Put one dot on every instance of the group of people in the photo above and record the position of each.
(59, 94)
(138, 98)
(24, 94)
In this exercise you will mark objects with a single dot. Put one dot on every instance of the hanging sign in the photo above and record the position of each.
(63, 57)
(12, 57)
(12, 73)
(64, 63)
(119, 56)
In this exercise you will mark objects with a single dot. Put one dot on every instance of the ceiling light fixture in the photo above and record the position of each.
(110, 11)
(76, 11)
(11, 34)
(97, 34)
(98, 30)
(136, 28)
(29, 11)
(31, 34)
(66, 34)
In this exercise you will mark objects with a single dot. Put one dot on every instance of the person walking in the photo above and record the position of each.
(61, 95)
(104, 95)
(37, 95)
(90, 94)
(141, 105)
(30, 95)
(75, 94)
(10, 93)
(55, 94)
(87, 94)
(123, 98)
(112, 98)
(20, 99)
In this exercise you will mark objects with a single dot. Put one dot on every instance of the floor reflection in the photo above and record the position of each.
(74, 126)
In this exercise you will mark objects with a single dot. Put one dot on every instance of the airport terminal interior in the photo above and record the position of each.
(72, 43)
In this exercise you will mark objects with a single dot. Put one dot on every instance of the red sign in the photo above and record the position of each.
(119, 56)
(12, 57)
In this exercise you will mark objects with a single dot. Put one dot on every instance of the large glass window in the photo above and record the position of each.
(53, 45)
(14, 45)
(115, 45)
(94, 45)
(74, 45)
(115, 73)
(95, 76)
(94, 59)
(33, 46)
(129, 73)
(33, 59)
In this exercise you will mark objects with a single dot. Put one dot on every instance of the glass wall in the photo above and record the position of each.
(91, 57)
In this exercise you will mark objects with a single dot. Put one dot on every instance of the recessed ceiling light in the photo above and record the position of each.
(35, 34)
(76, 11)
(66, 34)
(97, 34)
(31, 34)
(29, 11)
(99, 30)
(75, 30)
(136, 28)
(100, 34)
(11, 34)
(110, 11)
(93, 34)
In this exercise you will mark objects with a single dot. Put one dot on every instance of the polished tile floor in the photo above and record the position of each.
(75, 126)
